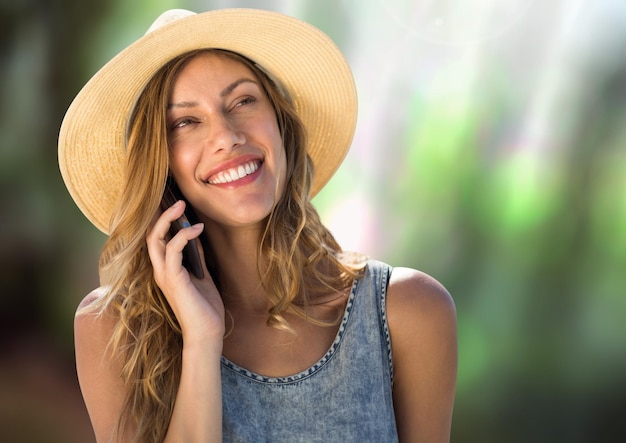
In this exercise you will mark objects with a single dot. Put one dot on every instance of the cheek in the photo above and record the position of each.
(269, 127)
(181, 160)
(182, 176)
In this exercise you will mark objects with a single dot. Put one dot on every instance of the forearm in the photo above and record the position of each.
(197, 415)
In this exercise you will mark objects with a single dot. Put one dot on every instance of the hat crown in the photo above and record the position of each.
(168, 17)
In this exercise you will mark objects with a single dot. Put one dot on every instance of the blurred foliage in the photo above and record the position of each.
(494, 164)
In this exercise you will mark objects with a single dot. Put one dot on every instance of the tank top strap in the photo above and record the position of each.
(381, 273)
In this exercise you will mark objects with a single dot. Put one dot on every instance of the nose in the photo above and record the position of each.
(224, 135)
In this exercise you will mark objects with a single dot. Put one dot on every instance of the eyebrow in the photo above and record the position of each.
(227, 90)
(230, 88)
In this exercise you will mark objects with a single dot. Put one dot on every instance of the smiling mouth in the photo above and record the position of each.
(236, 173)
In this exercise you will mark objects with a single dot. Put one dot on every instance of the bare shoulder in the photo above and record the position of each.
(91, 298)
(422, 325)
(93, 328)
(419, 306)
(98, 369)
(414, 294)
(91, 320)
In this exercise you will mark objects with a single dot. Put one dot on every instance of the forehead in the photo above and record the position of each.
(209, 65)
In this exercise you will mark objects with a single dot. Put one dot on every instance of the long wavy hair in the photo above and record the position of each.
(301, 259)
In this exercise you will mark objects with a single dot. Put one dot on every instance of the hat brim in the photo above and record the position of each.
(307, 63)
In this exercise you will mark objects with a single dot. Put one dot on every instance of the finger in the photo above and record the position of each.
(157, 236)
(174, 248)
(163, 221)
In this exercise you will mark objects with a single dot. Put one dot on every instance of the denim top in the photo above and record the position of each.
(345, 397)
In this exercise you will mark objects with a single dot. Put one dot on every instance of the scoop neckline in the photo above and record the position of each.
(317, 366)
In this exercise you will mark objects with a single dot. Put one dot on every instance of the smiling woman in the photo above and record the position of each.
(281, 336)
(226, 123)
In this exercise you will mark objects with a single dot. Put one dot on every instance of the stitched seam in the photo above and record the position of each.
(383, 311)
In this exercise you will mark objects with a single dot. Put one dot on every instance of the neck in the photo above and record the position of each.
(234, 257)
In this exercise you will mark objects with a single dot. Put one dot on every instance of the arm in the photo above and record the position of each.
(422, 323)
(98, 372)
(199, 392)
(197, 413)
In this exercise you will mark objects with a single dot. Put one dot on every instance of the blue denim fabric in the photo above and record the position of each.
(345, 397)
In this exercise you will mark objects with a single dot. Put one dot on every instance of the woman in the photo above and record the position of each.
(280, 336)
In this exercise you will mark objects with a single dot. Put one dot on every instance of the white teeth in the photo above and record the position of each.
(236, 173)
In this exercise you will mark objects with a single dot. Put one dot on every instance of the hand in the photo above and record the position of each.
(195, 302)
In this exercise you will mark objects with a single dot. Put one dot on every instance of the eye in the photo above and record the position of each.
(181, 123)
(245, 101)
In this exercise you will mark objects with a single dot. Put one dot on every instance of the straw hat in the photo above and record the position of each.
(301, 57)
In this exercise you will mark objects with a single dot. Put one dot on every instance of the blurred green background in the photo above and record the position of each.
(490, 153)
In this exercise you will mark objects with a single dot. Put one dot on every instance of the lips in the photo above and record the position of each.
(235, 173)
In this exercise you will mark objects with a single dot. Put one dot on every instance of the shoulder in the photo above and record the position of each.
(414, 295)
(93, 326)
(99, 369)
(90, 299)
(422, 326)
(419, 306)
(91, 311)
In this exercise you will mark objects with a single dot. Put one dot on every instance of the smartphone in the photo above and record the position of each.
(191, 253)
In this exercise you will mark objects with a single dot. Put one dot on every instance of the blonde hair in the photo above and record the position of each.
(302, 260)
